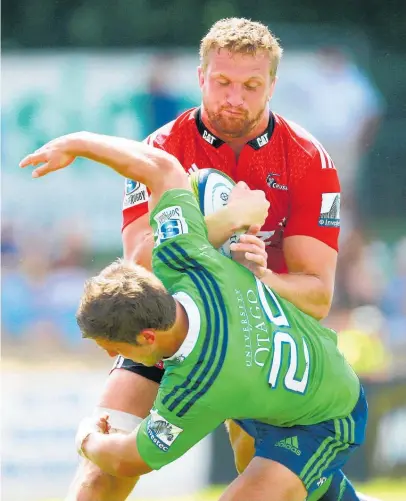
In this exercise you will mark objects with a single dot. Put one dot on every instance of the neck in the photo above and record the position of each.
(237, 143)
(177, 334)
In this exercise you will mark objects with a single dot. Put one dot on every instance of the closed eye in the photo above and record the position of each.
(251, 86)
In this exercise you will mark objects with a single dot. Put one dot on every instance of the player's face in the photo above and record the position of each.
(235, 91)
(145, 353)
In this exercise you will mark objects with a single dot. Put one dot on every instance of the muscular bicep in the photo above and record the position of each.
(309, 256)
(138, 241)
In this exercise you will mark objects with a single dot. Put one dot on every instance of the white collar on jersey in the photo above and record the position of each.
(192, 311)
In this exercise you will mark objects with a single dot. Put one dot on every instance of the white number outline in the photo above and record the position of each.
(290, 383)
(279, 339)
(280, 320)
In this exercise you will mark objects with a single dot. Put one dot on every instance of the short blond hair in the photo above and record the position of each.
(123, 300)
(242, 36)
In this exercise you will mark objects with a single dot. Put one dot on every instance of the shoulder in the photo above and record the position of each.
(173, 134)
(301, 147)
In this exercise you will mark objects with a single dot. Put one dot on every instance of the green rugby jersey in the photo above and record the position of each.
(248, 353)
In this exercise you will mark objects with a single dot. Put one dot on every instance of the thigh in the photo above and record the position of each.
(242, 444)
(131, 388)
(265, 480)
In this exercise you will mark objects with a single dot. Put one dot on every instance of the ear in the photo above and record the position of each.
(200, 74)
(272, 87)
(147, 336)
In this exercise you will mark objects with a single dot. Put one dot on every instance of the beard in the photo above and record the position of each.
(237, 126)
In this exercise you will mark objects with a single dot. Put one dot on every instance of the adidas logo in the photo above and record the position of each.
(290, 443)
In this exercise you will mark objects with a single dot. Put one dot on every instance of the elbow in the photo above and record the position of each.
(167, 164)
(320, 312)
(321, 309)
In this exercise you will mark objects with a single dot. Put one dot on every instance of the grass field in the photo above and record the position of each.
(383, 489)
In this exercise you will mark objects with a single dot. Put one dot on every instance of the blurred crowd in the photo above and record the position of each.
(43, 270)
(42, 280)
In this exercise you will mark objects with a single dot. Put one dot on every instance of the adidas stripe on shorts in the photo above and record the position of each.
(315, 452)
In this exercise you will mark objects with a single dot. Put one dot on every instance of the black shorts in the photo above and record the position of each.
(154, 373)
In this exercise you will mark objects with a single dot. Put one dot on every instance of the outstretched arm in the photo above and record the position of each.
(153, 167)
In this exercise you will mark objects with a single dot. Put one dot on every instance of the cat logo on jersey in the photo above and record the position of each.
(135, 193)
(208, 137)
(170, 223)
(330, 210)
(161, 432)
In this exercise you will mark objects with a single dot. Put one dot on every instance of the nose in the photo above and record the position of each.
(234, 95)
(112, 353)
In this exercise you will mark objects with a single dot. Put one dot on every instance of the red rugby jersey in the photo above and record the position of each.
(285, 161)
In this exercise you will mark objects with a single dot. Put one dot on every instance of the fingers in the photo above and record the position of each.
(250, 258)
(258, 271)
(247, 247)
(252, 249)
(251, 239)
(104, 424)
(42, 171)
(38, 157)
(258, 259)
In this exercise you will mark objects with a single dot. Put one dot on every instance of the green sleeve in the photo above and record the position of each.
(163, 436)
(180, 233)
(177, 216)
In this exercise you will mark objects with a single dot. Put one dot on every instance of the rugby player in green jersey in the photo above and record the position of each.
(232, 348)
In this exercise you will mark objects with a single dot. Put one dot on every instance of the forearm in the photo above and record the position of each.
(221, 225)
(139, 250)
(111, 453)
(306, 292)
(131, 159)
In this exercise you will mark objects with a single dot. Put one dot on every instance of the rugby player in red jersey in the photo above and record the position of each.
(234, 131)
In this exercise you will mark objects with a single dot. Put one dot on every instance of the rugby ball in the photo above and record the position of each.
(212, 189)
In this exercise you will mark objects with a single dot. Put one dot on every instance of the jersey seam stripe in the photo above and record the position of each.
(224, 334)
(205, 372)
(210, 364)
(220, 316)
(200, 379)
(189, 379)
(324, 156)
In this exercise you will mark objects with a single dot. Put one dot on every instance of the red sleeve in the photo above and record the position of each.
(135, 203)
(315, 203)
